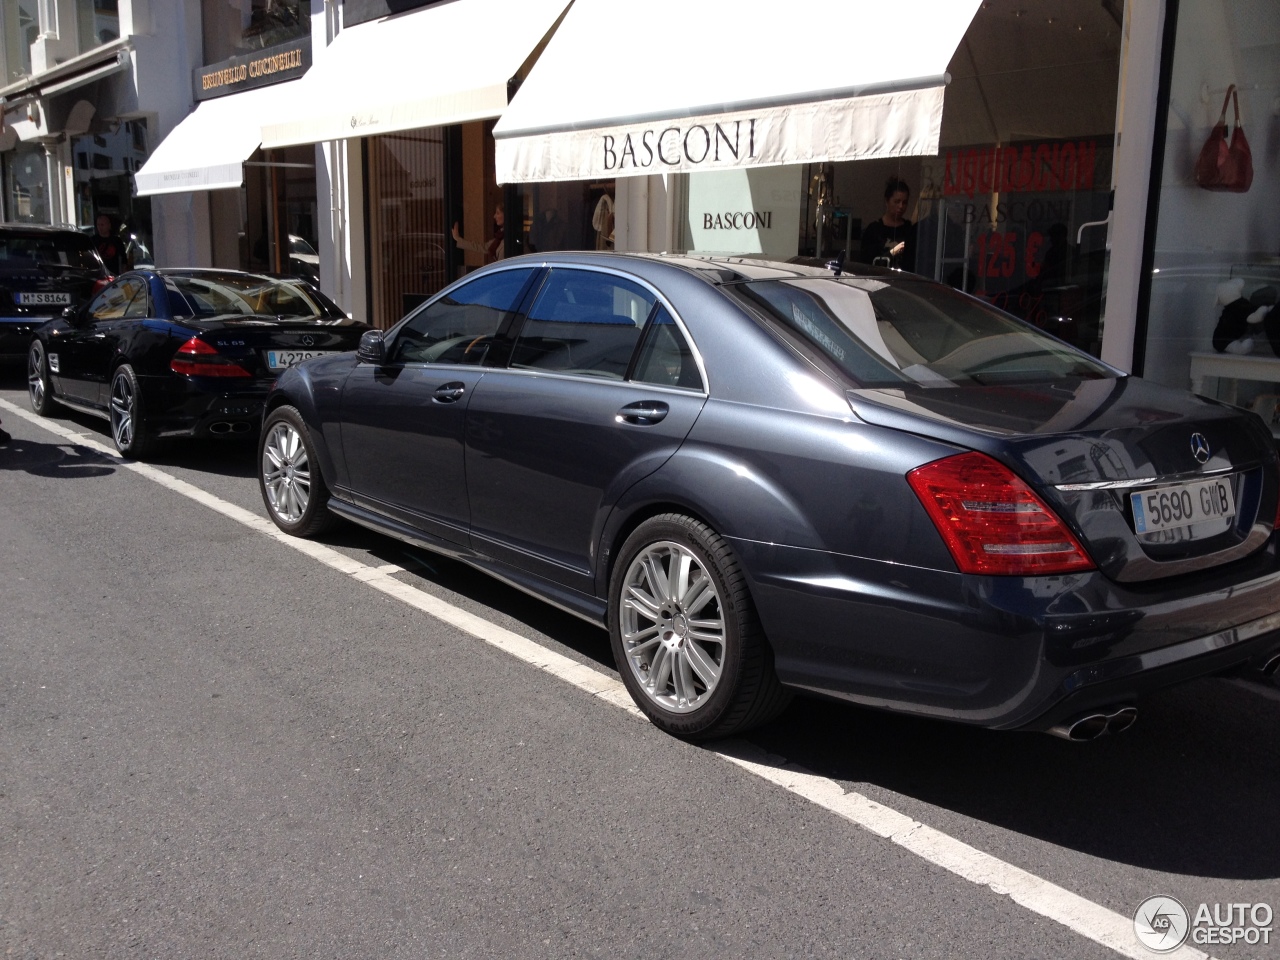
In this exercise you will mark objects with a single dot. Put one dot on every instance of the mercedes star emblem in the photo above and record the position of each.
(308, 340)
(1199, 447)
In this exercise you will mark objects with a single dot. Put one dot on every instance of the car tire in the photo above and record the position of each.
(39, 389)
(293, 488)
(692, 655)
(127, 414)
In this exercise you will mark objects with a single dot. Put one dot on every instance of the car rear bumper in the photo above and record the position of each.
(1003, 652)
(203, 406)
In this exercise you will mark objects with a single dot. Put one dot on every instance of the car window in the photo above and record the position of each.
(665, 356)
(112, 302)
(246, 294)
(54, 250)
(140, 306)
(458, 327)
(583, 322)
(894, 333)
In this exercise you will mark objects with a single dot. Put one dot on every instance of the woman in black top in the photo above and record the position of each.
(893, 236)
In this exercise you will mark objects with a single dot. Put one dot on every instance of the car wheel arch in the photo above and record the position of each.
(625, 523)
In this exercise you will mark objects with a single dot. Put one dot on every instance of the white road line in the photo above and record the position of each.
(1091, 920)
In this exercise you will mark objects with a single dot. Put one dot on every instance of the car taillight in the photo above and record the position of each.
(100, 285)
(196, 358)
(992, 522)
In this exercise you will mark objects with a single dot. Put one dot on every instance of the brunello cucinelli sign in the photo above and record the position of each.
(286, 61)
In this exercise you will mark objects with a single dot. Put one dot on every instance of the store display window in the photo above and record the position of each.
(1012, 209)
(1212, 321)
(234, 27)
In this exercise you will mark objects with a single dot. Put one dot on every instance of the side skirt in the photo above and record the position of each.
(589, 608)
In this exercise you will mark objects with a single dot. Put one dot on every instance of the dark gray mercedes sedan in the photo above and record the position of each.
(765, 478)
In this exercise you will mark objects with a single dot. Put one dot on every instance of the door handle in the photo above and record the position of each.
(99, 336)
(449, 392)
(643, 413)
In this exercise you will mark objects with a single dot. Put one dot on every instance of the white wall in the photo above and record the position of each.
(167, 46)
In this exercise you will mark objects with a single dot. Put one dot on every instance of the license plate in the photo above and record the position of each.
(44, 299)
(280, 359)
(1183, 504)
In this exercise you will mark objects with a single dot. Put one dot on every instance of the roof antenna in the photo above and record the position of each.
(837, 264)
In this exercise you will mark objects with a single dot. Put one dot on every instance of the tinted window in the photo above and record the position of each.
(665, 357)
(585, 323)
(888, 334)
(61, 250)
(140, 306)
(112, 302)
(458, 327)
(244, 294)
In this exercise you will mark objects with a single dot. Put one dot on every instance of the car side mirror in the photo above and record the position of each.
(372, 349)
(73, 315)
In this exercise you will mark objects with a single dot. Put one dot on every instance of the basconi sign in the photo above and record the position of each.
(855, 128)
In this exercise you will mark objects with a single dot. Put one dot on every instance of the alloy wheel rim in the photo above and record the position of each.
(35, 375)
(672, 624)
(123, 411)
(286, 472)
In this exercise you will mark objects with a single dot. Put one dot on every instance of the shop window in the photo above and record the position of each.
(98, 22)
(20, 20)
(408, 226)
(1212, 321)
(26, 185)
(234, 27)
(571, 215)
(1024, 163)
(275, 222)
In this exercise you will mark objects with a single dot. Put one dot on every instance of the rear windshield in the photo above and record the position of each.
(890, 334)
(51, 250)
(248, 296)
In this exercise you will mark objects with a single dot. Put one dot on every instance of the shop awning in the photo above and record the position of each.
(207, 150)
(441, 65)
(630, 87)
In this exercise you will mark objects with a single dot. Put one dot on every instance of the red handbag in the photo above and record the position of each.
(1223, 165)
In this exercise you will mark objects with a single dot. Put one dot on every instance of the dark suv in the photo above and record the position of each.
(43, 270)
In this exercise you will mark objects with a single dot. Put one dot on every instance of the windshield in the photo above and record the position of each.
(50, 250)
(889, 334)
(246, 295)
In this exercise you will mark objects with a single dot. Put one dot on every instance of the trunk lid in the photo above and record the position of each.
(1154, 482)
(265, 346)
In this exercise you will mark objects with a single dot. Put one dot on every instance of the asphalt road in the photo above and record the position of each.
(212, 745)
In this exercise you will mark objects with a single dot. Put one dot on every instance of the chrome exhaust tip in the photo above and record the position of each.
(220, 428)
(239, 427)
(1272, 666)
(1091, 726)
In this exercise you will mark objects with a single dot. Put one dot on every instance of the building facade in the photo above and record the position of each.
(1048, 152)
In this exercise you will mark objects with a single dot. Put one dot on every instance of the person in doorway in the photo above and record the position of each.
(110, 249)
(495, 249)
(891, 239)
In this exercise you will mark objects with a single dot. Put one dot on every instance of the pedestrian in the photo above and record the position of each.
(494, 249)
(110, 249)
(891, 239)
